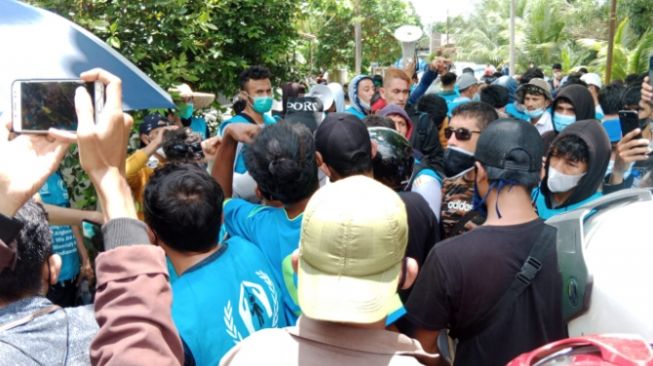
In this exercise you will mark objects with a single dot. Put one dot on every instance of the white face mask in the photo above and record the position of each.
(161, 152)
(559, 182)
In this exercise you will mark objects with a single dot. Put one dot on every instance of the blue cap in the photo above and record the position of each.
(151, 122)
(613, 128)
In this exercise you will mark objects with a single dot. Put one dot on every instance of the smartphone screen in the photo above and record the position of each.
(629, 121)
(45, 104)
(92, 233)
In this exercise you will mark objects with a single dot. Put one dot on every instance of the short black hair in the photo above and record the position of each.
(33, 250)
(611, 98)
(531, 73)
(282, 162)
(556, 66)
(574, 79)
(468, 70)
(448, 78)
(256, 72)
(495, 95)
(483, 113)
(435, 106)
(374, 120)
(583, 70)
(571, 147)
(632, 95)
(182, 144)
(182, 205)
(635, 78)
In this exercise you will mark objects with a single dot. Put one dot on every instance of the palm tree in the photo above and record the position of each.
(630, 54)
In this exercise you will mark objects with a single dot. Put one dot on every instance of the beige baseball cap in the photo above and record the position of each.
(353, 241)
(201, 100)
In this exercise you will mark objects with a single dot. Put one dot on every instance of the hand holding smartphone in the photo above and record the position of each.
(629, 120)
(38, 105)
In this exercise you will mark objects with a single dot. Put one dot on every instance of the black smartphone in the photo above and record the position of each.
(629, 120)
(92, 233)
(38, 105)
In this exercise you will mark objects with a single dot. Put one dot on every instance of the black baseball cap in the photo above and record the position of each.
(343, 141)
(151, 122)
(511, 150)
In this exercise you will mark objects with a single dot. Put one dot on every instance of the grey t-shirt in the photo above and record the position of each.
(62, 337)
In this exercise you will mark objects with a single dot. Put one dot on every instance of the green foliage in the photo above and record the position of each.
(332, 21)
(640, 13)
(630, 52)
(205, 43)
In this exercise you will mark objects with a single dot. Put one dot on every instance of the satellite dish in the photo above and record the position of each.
(408, 33)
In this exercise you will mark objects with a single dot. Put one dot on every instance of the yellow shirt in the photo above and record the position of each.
(138, 173)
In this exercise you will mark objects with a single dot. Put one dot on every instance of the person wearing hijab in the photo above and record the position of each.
(361, 90)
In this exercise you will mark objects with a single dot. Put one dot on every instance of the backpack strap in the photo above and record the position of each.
(523, 279)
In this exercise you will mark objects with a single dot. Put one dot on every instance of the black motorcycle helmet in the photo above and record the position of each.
(393, 162)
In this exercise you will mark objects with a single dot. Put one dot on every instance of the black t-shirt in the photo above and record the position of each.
(423, 230)
(465, 276)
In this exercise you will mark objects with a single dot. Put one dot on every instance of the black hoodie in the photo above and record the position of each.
(598, 144)
(578, 96)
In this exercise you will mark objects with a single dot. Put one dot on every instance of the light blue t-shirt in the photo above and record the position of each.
(355, 112)
(455, 103)
(224, 299)
(199, 126)
(64, 243)
(545, 213)
(276, 235)
(239, 164)
(448, 95)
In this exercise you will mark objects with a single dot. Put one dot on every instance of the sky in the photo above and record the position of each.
(431, 11)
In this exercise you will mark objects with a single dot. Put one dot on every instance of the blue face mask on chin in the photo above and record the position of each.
(535, 113)
(560, 121)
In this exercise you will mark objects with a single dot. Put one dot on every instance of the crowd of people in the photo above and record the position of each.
(399, 223)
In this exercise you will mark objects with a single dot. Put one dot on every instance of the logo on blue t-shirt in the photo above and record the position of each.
(254, 309)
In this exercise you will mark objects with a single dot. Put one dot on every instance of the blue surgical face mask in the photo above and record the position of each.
(262, 104)
(560, 121)
(476, 98)
(535, 113)
(598, 113)
(186, 110)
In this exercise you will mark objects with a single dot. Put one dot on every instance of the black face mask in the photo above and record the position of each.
(456, 161)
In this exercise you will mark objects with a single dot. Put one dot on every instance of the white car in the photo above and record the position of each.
(605, 255)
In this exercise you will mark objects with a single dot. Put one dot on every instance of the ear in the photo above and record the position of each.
(259, 194)
(382, 92)
(412, 268)
(295, 260)
(318, 158)
(53, 268)
(151, 235)
(375, 148)
(481, 173)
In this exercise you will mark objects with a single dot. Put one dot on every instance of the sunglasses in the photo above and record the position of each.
(461, 133)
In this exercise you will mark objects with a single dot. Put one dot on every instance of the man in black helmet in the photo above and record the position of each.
(464, 284)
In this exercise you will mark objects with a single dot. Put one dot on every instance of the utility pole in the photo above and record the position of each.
(357, 36)
(513, 58)
(613, 25)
